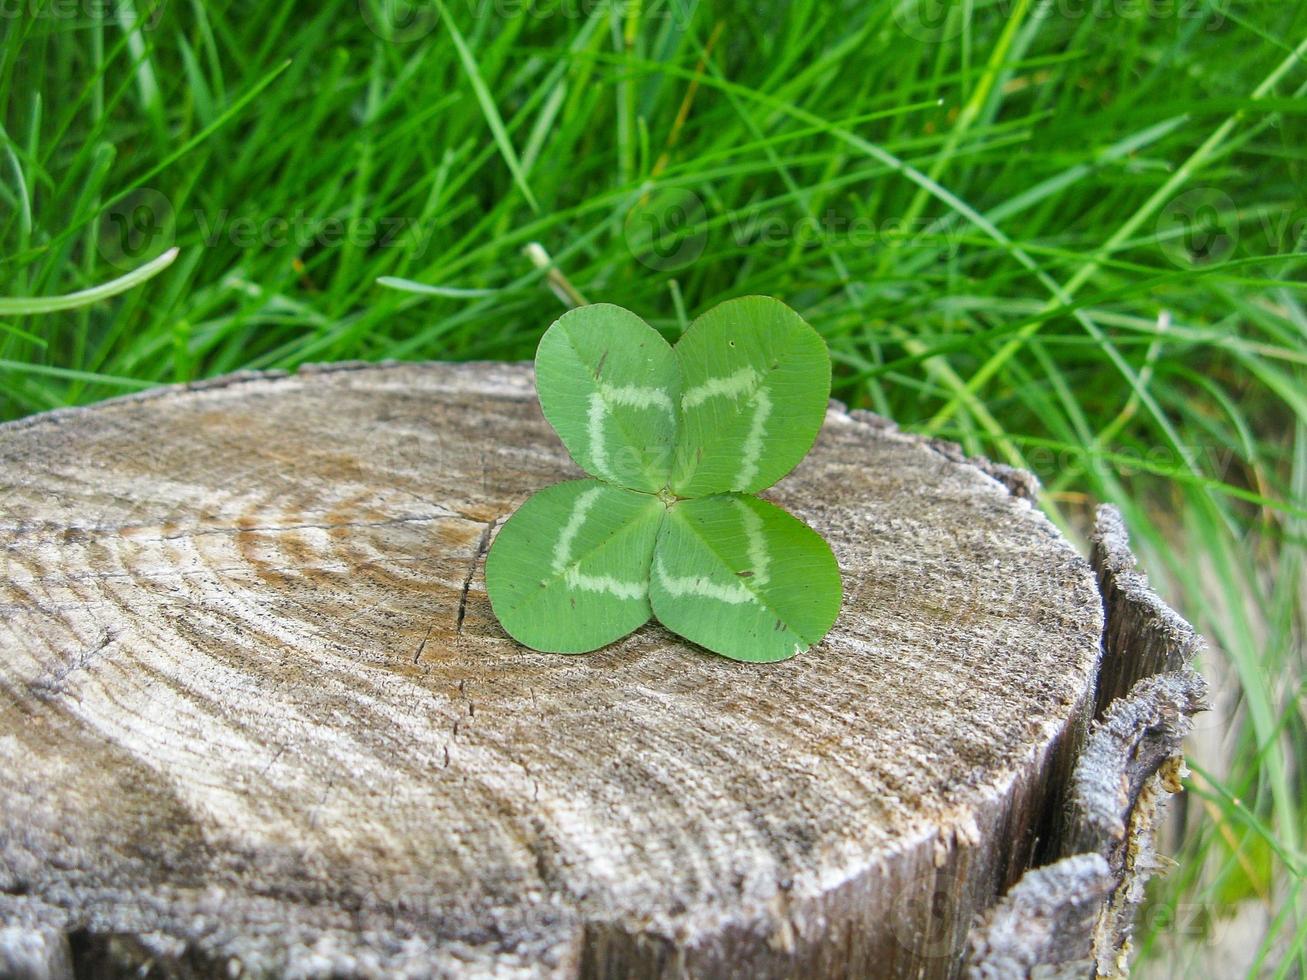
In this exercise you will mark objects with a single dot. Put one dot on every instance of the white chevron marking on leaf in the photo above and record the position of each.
(595, 420)
(580, 511)
(682, 585)
(759, 559)
(742, 382)
(753, 441)
(573, 575)
(638, 396)
(731, 386)
(605, 583)
(601, 402)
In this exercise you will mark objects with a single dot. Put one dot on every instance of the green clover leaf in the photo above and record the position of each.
(677, 439)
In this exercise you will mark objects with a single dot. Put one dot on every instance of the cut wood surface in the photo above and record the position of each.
(257, 718)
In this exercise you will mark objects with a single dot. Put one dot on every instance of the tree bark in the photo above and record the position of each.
(257, 717)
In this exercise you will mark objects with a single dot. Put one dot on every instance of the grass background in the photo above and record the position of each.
(1066, 233)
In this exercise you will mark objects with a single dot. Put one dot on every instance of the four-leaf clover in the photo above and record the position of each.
(677, 441)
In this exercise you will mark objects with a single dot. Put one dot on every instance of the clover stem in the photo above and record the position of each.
(559, 284)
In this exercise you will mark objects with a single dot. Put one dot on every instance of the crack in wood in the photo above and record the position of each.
(482, 547)
(273, 761)
(423, 645)
(51, 682)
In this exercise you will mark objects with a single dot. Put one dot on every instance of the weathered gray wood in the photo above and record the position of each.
(256, 717)
(1137, 737)
(1144, 636)
(30, 947)
(1045, 923)
(1132, 762)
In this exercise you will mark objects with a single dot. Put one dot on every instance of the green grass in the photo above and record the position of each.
(1069, 235)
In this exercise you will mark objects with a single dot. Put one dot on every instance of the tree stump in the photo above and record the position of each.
(257, 718)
